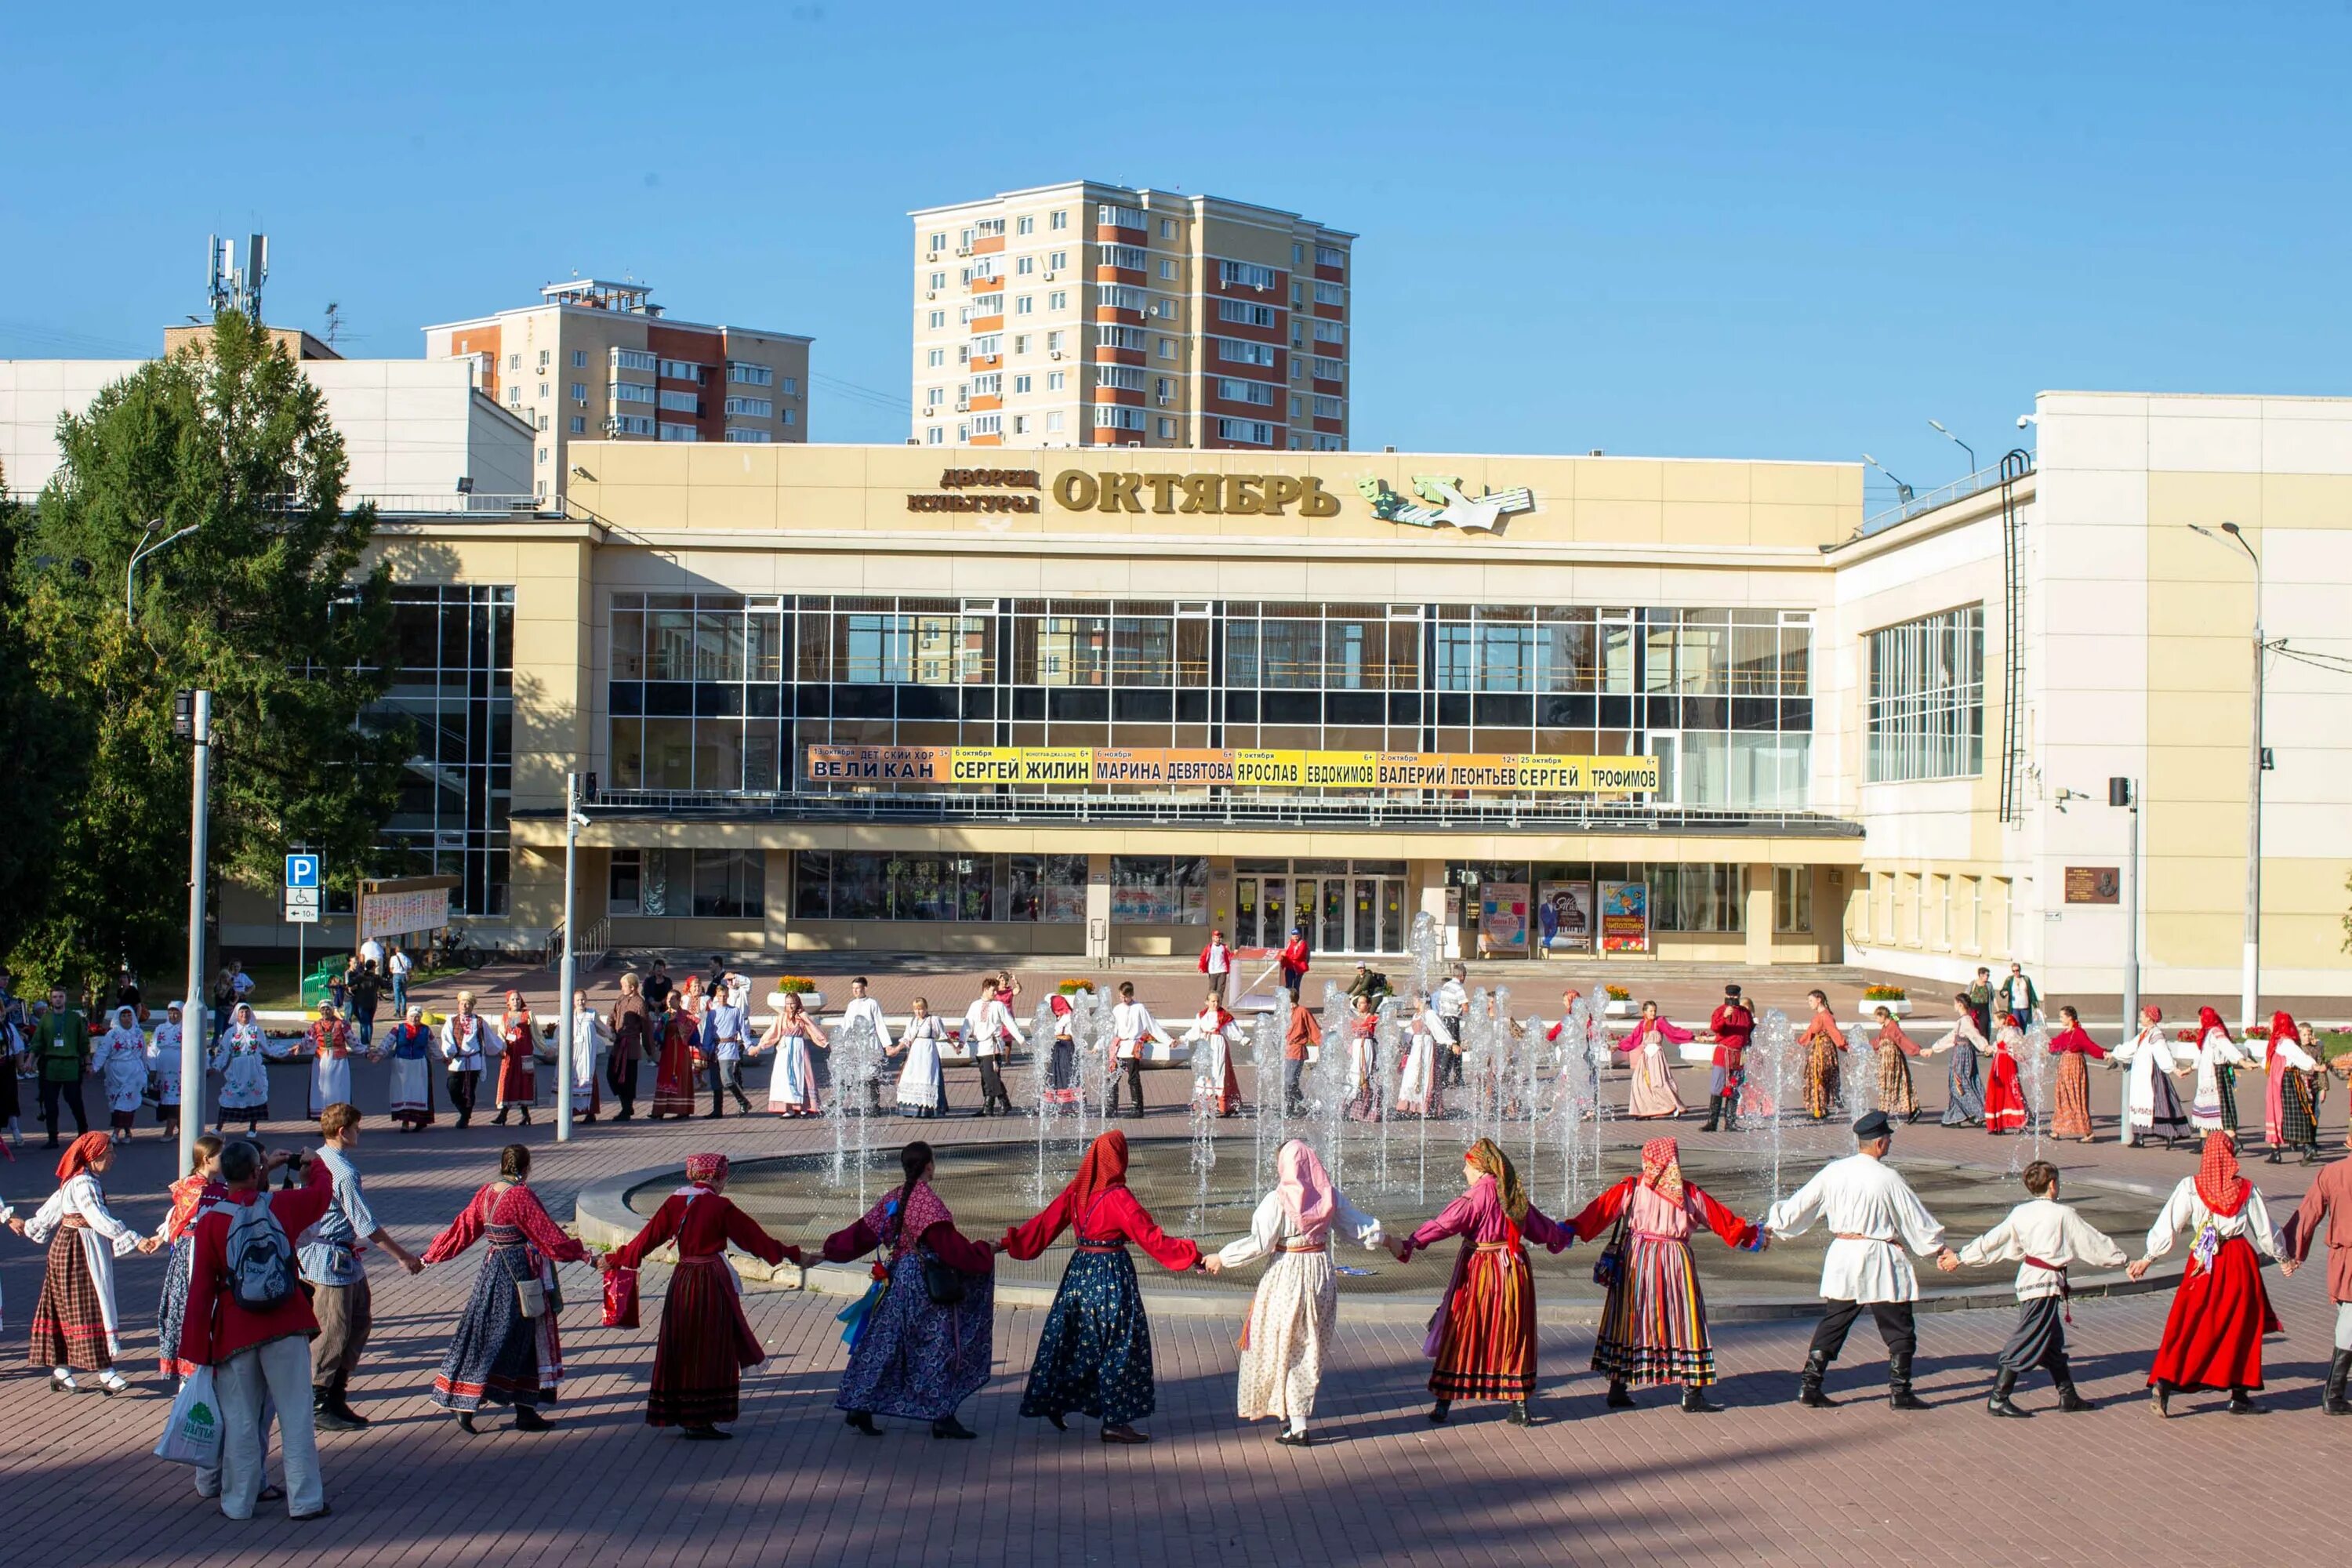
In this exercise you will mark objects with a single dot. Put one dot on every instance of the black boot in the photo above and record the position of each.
(863, 1420)
(2160, 1395)
(323, 1414)
(1618, 1398)
(1809, 1389)
(339, 1400)
(1999, 1403)
(1518, 1416)
(1714, 1113)
(1437, 1412)
(2243, 1404)
(1898, 1385)
(2335, 1404)
(1696, 1403)
(2069, 1401)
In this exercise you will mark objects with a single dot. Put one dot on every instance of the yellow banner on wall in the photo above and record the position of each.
(1035, 766)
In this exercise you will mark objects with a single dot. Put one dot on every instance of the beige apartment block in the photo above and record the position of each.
(1088, 314)
(598, 360)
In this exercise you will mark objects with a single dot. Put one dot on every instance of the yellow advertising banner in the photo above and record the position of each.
(1034, 766)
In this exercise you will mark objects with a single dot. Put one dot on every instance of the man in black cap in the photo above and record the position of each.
(1874, 1214)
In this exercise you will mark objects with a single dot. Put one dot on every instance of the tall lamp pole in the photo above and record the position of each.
(1937, 425)
(193, 1024)
(2250, 973)
(567, 1041)
(131, 572)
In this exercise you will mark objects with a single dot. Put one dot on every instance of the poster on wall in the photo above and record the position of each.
(1564, 917)
(1624, 917)
(1503, 917)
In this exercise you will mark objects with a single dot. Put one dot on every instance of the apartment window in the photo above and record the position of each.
(1109, 215)
(1126, 378)
(578, 425)
(1254, 432)
(987, 424)
(579, 391)
(634, 359)
(1163, 389)
(1242, 312)
(1294, 405)
(1167, 268)
(1021, 343)
(1057, 260)
(1126, 257)
(542, 421)
(938, 319)
(935, 358)
(789, 385)
(1116, 337)
(1023, 305)
(751, 407)
(1328, 369)
(1298, 368)
(988, 345)
(963, 434)
(1793, 900)
(788, 416)
(579, 359)
(1330, 294)
(1927, 697)
(1298, 294)
(934, 395)
(1055, 380)
(938, 280)
(1164, 309)
(1297, 255)
(1057, 220)
(1167, 429)
(670, 432)
(1025, 266)
(1168, 348)
(680, 402)
(988, 304)
(1326, 407)
(1052, 422)
(1024, 226)
(1251, 392)
(992, 228)
(542, 454)
(749, 438)
(514, 361)
(1020, 384)
(1232, 351)
(934, 436)
(1167, 229)
(1330, 331)
(1053, 343)
(743, 375)
(939, 242)
(630, 424)
(514, 396)
(1244, 275)
(542, 389)
(1123, 297)
(989, 385)
(681, 370)
(543, 357)
(1110, 416)
(1329, 256)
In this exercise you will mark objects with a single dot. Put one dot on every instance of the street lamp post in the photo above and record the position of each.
(1937, 425)
(2250, 973)
(130, 570)
(193, 1024)
(566, 1040)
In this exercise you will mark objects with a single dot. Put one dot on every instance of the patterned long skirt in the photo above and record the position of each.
(412, 1091)
(1821, 1080)
(1291, 1322)
(1062, 1073)
(673, 1081)
(1654, 1324)
(1895, 1095)
(498, 1356)
(2225, 1083)
(1486, 1344)
(1094, 1354)
(172, 1307)
(2166, 1118)
(919, 1359)
(1964, 1104)
(69, 1320)
(2070, 1113)
(705, 1345)
(2298, 1111)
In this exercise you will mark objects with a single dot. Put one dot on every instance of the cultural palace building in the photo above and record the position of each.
(1092, 703)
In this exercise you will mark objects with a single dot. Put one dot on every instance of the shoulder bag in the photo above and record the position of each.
(1610, 1267)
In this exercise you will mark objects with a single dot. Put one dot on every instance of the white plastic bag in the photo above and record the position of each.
(191, 1435)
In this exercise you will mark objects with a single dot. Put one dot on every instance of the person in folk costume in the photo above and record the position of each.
(1132, 1023)
(1062, 1056)
(503, 1352)
(1872, 1214)
(408, 1044)
(1733, 1026)
(2290, 1114)
(1895, 1050)
(923, 1080)
(706, 1343)
(119, 1057)
(792, 1084)
(1212, 1036)
(330, 1061)
(1652, 1095)
(2329, 1200)
(1427, 1040)
(1295, 1311)
(1823, 1043)
(631, 1029)
(2216, 1056)
(2004, 1103)
(75, 1326)
(990, 1030)
(1302, 1034)
(589, 1042)
(163, 1069)
(1482, 1337)
(1654, 1320)
(465, 1046)
(2151, 1107)
(244, 1071)
(1364, 1085)
(190, 1196)
(909, 1356)
(517, 1037)
(1964, 1085)
(2070, 1113)
(2214, 1335)
(1293, 958)
(2044, 1237)
(1094, 1352)
(674, 1077)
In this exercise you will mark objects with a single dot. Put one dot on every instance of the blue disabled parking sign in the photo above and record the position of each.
(301, 870)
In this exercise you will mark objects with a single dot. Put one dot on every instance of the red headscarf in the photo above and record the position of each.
(1104, 1167)
(81, 1152)
(705, 1169)
(2155, 1014)
(2218, 1182)
(2207, 1021)
(2283, 1029)
(1662, 1168)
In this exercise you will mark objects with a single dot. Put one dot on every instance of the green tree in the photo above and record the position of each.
(265, 604)
(42, 769)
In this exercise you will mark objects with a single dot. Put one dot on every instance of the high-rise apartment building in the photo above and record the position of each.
(599, 361)
(1086, 314)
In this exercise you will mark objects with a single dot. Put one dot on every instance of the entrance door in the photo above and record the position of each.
(1272, 907)
(1394, 922)
(1335, 915)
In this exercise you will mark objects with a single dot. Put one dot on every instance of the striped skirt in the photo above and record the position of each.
(2070, 1114)
(1486, 1345)
(69, 1320)
(2298, 1111)
(1654, 1324)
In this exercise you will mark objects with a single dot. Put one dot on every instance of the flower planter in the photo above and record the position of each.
(1900, 1006)
(1614, 1008)
(811, 1001)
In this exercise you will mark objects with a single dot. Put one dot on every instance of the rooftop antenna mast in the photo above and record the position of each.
(234, 288)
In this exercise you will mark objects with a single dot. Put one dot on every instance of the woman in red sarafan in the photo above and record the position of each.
(2004, 1091)
(674, 1068)
(518, 1060)
(1482, 1336)
(706, 1342)
(2214, 1335)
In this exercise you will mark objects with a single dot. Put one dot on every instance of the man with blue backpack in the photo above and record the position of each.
(248, 1320)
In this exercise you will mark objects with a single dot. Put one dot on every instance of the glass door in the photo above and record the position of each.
(1335, 915)
(1367, 915)
(1394, 921)
(1271, 931)
(1244, 911)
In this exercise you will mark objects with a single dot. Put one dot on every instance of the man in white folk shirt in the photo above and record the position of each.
(1130, 1023)
(2043, 1237)
(863, 1007)
(1874, 1214)
(987, 1024)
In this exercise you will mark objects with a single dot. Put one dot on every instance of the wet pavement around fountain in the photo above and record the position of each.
(1765, 1483)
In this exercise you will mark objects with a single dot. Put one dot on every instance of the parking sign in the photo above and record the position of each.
(301, 871)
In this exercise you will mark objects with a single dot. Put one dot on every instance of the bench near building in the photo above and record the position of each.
(880, 698)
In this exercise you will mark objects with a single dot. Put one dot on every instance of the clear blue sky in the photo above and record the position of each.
(1734, 230)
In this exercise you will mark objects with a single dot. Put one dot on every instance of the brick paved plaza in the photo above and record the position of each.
(1764, 1482)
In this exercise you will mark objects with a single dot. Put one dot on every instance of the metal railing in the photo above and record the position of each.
(1230, 810)
(1944, 495)
(445, 503)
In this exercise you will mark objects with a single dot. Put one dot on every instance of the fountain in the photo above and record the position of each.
(857, 1060)
(2033, 1081)
(1773, 1072)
